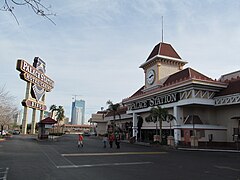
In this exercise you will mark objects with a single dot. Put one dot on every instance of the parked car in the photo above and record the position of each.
(93, 133)
(16, 132)
(3, 133)
(86, 134)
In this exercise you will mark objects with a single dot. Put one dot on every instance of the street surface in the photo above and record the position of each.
(25, 158)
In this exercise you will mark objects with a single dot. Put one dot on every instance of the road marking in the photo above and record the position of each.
(210, 150)
(4, 177)
(226, 167)
(100, 165)
(50, 157)
(113, 154)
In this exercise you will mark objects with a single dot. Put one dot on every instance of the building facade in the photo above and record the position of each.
(203, 107)
(78, 112)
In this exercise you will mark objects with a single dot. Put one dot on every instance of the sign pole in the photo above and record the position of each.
(24, 121)
(25, 113)
(33, 121)
(41, 111)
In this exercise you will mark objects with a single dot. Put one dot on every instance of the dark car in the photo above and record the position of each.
(86, 134)
(16, 132)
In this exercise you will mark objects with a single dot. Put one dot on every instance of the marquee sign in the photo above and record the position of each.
(35, 74)
(154, 101)
(34, 104)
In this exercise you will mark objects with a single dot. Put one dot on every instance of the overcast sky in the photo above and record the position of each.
(96, 47)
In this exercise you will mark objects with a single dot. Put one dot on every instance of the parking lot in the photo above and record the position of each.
(27, 158)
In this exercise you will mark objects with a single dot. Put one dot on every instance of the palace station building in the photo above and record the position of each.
(206, 108)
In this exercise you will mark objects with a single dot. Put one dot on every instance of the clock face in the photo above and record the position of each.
(150, 76)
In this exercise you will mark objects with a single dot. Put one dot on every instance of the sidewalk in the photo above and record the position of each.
(186, 148)
(138, 143)
(182, 148)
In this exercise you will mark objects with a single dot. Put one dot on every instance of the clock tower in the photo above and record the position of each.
(161, 63)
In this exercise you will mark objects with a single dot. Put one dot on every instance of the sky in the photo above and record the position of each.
(96, 47)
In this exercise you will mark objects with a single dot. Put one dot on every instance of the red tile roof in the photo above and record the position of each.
(233, 88)
(163, 49)
(48, 120)
(187, 73)
(138, 92)
(174, 79)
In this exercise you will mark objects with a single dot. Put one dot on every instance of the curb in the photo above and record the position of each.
(1, 140)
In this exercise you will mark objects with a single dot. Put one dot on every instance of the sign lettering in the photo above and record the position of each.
(33, 104)
(31, 74)
(154, 101)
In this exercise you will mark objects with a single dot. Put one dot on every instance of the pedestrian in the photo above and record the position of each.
(117, 140)
(105, 140)
(80, 140)
(111, 139)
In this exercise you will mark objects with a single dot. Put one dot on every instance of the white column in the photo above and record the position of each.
(42, 112)
(25, 113)
(24, 121)
(33, 121)
(177, 112)
(134, 128)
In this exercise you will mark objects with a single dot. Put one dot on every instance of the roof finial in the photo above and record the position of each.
(162, 28)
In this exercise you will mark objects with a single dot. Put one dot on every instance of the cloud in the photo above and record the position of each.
(97, 46)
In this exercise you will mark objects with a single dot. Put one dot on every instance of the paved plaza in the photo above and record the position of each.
(24, 157)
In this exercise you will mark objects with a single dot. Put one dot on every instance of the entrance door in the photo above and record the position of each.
(187, 136)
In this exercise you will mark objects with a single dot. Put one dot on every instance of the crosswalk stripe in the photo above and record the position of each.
(113, 154)
(100, 165)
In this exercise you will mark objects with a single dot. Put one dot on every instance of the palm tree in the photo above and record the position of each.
(114, 109)
(158, 114)
(60, 115)
(52, 109)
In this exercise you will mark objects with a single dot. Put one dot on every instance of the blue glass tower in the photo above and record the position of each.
(78, 112)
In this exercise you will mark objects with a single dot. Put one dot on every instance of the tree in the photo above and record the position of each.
(52, 109)
(36, 5)
(158, 114)
(114, 109)
(59, 115)
(7, 108)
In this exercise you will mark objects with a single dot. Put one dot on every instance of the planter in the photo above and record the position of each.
(194, 141)
(156, 138)
(170, 140)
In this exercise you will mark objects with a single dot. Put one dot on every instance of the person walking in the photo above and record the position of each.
(105, 140)
(111, 139)
(80, 140)
(117, 140)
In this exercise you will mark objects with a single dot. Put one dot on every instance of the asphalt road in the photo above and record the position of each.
(23, 158)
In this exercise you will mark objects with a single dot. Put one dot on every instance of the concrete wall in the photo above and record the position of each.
(224, 115)
(101, 128)
(217, 135)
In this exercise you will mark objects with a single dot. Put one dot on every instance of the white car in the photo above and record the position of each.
(3, 132)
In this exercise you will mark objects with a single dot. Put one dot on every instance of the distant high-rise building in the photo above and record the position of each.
(78, 112)
(17, 117)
